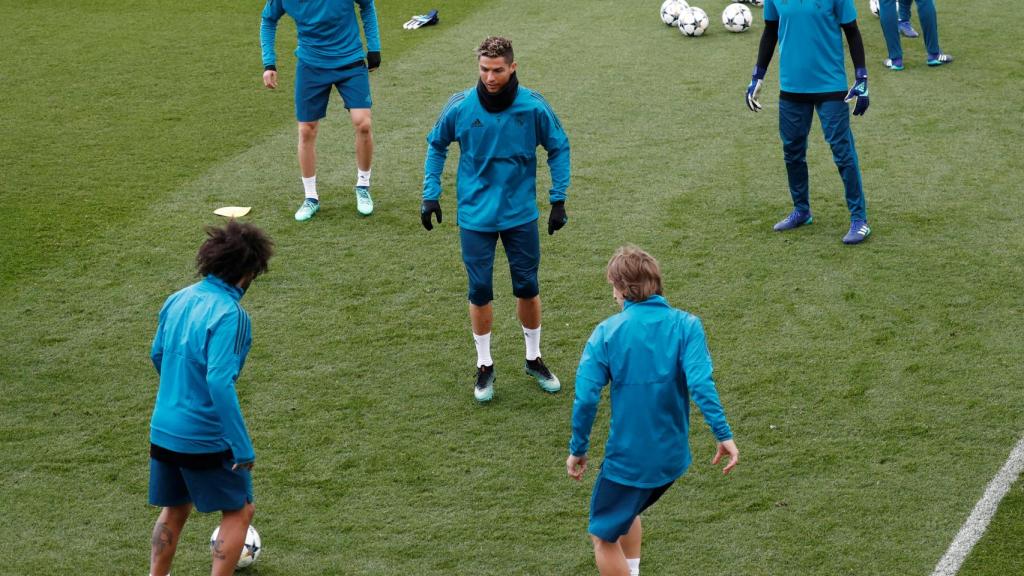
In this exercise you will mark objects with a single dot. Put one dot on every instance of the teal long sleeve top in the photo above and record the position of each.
(656, 359)
(199, 349)
(328, 30)
(497, 175)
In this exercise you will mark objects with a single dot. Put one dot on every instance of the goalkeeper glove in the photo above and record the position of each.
(754, 89)
(558, 217)
(421, 20)
(426, 209)
(860, 92)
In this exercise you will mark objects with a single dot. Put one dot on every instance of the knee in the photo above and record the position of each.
(526, 287)
(480, 295)
(308, 131)
(363, 125)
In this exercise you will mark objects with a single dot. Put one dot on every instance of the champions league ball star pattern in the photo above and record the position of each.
(693, 21)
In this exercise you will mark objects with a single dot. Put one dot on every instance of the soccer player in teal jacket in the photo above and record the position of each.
(499, 125)
(330, 55)
(200, 451)
(656, 360)
(812, 77)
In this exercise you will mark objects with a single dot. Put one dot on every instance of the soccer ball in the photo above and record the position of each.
(250, 550)
(693, 21)
(670, 10)
(737, 17)
(873, 6)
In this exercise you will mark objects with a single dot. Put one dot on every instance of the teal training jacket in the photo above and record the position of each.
(657, 360)
(199, 349)
(497, 177)
(327, 29)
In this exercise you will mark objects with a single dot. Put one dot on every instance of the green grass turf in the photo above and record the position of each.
(999, 551)
(872, 389)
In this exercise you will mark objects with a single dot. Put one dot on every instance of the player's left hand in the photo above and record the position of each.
(576, 466)
(426, 209)
(372, 61)
(724, 448)
(860, 92)
(558, 217)
(242, 466)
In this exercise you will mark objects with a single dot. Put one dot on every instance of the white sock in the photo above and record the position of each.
(309, 185)
(532, 342)
(634, 566)
(362, 178)
(483, 349)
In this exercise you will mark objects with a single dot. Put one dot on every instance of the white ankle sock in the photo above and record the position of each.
(309, 185)
(483, 349)
(634, 566)
(362, 178)
(532, 342)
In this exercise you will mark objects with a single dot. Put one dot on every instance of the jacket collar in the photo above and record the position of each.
(234, 291)
(654, 300)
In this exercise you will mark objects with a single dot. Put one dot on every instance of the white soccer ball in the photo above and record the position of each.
(670, 10)
(250, 550)
(737, 17)
(873, 6)
(693, 21)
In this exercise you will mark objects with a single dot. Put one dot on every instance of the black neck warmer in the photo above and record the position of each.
(502, 99)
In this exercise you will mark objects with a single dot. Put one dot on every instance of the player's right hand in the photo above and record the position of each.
(426, 209)
(575, 466)
(727, 447)
(754, 89)
(270, 79)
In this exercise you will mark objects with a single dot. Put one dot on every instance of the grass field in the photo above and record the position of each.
(873, 390)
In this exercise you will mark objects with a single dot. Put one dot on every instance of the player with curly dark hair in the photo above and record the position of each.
(200, 451)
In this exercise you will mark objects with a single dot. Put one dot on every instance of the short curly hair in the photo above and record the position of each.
(496, 47)
(234, 251)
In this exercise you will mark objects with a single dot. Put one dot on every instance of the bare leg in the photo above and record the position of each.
(609, 557)
(307, 148)
(528, 310)
(482, 318)
(364, 137)
(228, 546)
(165, 537)
(631, 541)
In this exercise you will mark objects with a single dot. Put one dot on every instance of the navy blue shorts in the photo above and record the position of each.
(313, 89)
(522, 248)
(211, 490)
(614, 506)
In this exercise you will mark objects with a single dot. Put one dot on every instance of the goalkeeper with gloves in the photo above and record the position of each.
(499, 125)
(812, 77)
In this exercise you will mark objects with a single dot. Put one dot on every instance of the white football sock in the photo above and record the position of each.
(309, 185)
(532, 342)
(634, 566)
(483, 349)
(362, 178)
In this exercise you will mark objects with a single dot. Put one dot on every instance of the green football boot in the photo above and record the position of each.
(483, 390)
(548, 381)
(364, 204)
(308, 209)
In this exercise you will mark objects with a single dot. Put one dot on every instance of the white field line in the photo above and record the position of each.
(976, 524)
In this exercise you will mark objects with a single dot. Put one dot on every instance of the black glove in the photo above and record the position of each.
(426, 209)
(558, 217)
(372, 60)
